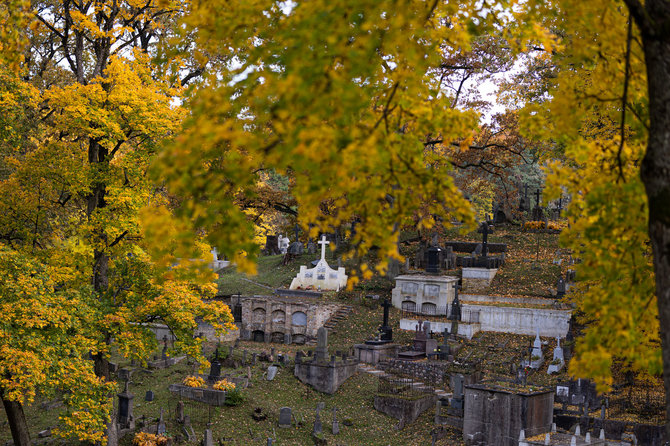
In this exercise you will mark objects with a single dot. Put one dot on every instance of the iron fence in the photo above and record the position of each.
(401, 388)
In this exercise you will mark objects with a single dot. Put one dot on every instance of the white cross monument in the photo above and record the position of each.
(322, 277)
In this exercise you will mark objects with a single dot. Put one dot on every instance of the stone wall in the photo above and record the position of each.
(324, 376)
(282, 319)
(405, 410)
(430, 372)
(524, 321)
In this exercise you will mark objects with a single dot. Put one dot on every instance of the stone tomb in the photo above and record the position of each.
(282, 319)
(321, 372)
(495, 416)
(322, 276)
(424, 294)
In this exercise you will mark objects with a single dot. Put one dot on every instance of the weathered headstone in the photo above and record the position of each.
(208, 440)
(336, 425)
(149, 396)
(160, 427)
(125, 413)
(560, 287)
(318, 427)
(272, 372)
(285, 417)
(321, 352)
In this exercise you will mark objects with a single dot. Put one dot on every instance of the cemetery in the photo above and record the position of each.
(424, 360)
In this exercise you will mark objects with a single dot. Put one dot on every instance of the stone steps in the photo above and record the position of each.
(341, 314)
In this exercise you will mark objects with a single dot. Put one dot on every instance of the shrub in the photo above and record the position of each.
(234, 398)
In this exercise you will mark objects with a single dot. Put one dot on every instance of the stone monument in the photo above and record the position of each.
(322, 276)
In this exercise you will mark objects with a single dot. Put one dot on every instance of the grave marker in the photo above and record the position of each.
(285, 417)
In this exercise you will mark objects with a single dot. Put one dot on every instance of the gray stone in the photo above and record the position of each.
(272, 372)
(208, 440)
(285, 417)
(321, 352)
(336, 425)
(149, 396)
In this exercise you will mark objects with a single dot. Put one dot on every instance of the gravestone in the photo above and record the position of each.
(336, 425)
(125, 413)
(149, 396)
(208, 440)
(558, 360)
(295, 249)
(433, 263)
(285, 417)
(311, 247)
(386, 332)
(160, 427)
(560, 288)
(318, 427)
(164, 356)
(272, 372)
(272, 245)
(322, 276)
(538, 212)
(321, 352)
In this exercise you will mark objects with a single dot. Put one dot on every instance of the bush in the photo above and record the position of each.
(234, 398)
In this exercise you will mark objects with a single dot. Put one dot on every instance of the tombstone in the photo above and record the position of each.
(318, 428)
(321, 352)
(215, 368)
(485, 230)
(558, 361)
(336, 425)
(455, 314)
(208, 440)
(311, 247)
(188, 429)
(272, 372)
(433, 263)
(285, 417)
(149, 396)
(272, 245)
(125, 413)
(537, 210)
(449, 258)
(160, 427)
(560, 288)
(179, 412)
(295, 249)
(164, 356)
(479, 249)
(386, 332)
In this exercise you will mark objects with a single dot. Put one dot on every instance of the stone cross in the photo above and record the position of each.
(323, 242)
(297, 231)
(537, 197)
(485, 230)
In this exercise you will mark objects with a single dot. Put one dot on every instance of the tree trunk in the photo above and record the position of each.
(655, 170)
(17, 422)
